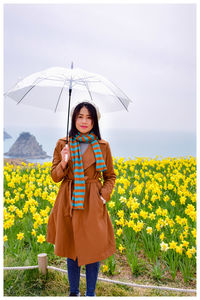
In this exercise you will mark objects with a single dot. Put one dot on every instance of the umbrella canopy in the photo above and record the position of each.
(49, 89)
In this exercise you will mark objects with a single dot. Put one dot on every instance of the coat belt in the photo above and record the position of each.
(87, 180)
(68, 210)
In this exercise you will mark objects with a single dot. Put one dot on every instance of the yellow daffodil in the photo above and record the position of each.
(5, 238)
(121, 248)
(164, 246)
(120, 213)
(185, 243)
(20, 235)
(179, 249)
(119, 231)
(122, 199)
(162, 236)
(134, 215)
(194, 232)
(40, 238)
(143, 214)
(193, 250)
(111, 204)
(166, 198)
(149, 230)
(33, 232)
(188, 253)
(172, 245)
(105, 268)
(173, 203)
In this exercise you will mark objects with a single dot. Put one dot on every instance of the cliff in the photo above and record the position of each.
(6, 135)
(26, 146)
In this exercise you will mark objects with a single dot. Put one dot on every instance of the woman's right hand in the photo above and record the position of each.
(65, 151)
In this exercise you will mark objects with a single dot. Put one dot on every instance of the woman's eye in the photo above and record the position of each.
(88, 117)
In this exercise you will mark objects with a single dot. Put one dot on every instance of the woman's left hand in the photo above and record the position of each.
(104, 201)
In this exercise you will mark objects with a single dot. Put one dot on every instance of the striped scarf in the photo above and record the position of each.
(79, 181)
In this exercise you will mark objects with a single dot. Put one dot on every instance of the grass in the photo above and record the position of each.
(33, 283)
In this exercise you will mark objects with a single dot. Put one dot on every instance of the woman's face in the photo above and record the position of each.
(84, 122)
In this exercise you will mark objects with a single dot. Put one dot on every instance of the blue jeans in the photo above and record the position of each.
(74, 276)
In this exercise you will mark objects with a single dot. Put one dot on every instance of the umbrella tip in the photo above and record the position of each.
(72, 65)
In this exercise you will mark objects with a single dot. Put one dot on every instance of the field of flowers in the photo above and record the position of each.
(153, 211)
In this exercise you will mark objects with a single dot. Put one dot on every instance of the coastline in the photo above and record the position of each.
(14, 161)
(123, 143)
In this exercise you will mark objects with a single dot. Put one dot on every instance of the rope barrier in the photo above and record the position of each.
(20, 268)
(131, 284)
(42, 265)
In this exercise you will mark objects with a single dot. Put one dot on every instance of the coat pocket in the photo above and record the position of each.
(98, 195)
(99, 200)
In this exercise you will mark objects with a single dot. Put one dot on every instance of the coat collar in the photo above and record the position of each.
(88, 156)
(100, 141)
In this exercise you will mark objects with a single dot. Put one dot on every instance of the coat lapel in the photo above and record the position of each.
(88, 157)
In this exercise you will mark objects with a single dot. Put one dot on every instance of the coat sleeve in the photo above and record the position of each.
(57, 172)
(108, 176)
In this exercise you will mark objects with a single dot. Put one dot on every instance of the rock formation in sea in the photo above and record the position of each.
(26, 146)
(6, 135)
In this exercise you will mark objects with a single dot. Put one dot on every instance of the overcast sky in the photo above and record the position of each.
(147, 50)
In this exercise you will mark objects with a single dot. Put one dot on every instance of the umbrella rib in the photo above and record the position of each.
(28, 91)
(122, 92)
(81, 79)
(88, 77)
(85, 78)
(82, 82)
(34, 84)
(6, 93)
(60, 96)
(88, 90)
(116, 95)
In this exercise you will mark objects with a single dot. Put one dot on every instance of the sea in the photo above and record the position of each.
(126, 143)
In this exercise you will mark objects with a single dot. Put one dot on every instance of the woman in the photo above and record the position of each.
(79, 224)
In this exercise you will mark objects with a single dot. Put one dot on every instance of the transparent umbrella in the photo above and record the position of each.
(55, 88)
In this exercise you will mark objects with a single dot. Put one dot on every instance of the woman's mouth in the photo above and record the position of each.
(82, 126)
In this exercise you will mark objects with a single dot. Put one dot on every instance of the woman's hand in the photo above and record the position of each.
(104, 201)
(65, 151)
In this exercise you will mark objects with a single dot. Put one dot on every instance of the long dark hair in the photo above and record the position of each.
(93, 114)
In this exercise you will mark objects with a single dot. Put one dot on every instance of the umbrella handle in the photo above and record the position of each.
(66, 155)
(70, 92)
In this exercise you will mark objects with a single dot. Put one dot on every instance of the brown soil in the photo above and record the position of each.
(14, 161)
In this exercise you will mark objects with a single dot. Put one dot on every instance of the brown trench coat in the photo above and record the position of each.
(84, 234)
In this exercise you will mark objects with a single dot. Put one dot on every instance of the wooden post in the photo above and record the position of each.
(42, 263)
